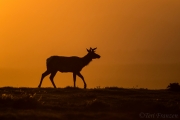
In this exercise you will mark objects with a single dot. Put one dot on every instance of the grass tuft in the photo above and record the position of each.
(25, 101)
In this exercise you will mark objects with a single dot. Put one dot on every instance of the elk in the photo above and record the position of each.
(72, 64)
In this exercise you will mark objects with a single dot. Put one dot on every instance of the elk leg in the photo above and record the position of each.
(42, 77)
(79, 74)
(74, 78)
(52, 76)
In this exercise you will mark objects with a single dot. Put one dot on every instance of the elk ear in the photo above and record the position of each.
(87, 50)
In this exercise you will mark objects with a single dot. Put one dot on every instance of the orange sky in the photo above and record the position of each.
(138, 40)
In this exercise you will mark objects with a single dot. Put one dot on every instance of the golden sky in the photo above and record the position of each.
(138, 40)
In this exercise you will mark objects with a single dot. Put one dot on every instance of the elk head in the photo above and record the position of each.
(92, 54)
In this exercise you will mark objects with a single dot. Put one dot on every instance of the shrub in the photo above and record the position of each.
(174, 87)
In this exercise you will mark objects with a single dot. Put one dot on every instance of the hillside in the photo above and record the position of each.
(88, 104)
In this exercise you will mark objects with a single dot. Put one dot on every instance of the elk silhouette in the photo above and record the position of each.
(68, 64)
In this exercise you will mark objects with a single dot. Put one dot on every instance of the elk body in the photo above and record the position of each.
(68, 64)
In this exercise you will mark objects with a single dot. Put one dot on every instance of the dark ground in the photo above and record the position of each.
(78, 104)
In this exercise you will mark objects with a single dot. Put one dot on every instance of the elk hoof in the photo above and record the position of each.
(85, 86)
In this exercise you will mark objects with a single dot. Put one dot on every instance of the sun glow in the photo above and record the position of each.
(138, 41)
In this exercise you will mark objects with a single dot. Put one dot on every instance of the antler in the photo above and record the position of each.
(94, 48)
(91, 49)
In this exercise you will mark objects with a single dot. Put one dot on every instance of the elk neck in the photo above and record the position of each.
(86, 59)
